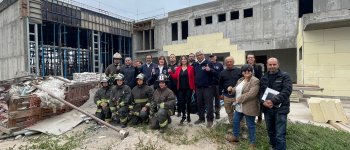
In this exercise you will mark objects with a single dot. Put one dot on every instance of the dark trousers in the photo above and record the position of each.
(217, 100)
(276, 125)
(205, 101)
(184, 101)
(104, 114)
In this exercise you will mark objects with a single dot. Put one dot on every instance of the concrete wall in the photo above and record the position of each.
(210, 43)
(327, 5)
(12, 53)
(325, 54)
(273, 25)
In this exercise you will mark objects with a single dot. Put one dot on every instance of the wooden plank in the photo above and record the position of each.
(24, 113)
(5, 130)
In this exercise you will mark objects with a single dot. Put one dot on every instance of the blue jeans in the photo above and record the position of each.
(250, 121)
(276, 125)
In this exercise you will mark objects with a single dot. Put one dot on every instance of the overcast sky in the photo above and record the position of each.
(139, 9)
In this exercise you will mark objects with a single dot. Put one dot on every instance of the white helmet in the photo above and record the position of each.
(104, 80)
(119, 76)
(117, 55)
(140, 76)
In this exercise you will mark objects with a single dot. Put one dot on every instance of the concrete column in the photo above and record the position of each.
(143, 40)
(150, 39)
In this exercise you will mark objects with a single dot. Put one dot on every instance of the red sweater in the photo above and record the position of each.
(190, 72)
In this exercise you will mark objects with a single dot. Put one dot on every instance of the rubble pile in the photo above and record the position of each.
(86, 77)
(53, 85)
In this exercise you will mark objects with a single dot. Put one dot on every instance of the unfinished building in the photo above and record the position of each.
(52, 37)
(226, 27)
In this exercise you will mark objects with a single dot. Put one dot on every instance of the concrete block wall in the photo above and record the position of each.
(273, 25)
(12, 53)
(328, 5)
(210, 43)
(325, 54)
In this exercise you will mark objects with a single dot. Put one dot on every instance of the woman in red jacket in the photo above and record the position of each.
(184, 75)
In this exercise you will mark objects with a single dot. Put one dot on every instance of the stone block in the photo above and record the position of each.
(314, 36)
(324, 47)
(337, 34)
(326, 109)
(342, 46)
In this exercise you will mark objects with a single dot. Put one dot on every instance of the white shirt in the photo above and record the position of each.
(160, 69)
(239, 90)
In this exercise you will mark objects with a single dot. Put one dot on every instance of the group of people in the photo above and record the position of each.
(152, 93)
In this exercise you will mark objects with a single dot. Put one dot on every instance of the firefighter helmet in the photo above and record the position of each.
(162, 78)
(104, 80)
(140, 76)
(117, 56)
(119, 76)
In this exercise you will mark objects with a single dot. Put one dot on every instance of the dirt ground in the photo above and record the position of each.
(186, 136)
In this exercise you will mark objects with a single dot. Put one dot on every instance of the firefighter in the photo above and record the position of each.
(141, 95)
(121, 95)
(162, 105)
(113, 69)
(102, 99)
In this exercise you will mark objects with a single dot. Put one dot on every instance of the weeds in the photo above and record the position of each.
(149, 145)
(49, 142)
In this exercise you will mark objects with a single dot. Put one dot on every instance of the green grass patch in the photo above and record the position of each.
(299, 137)
(51, 142)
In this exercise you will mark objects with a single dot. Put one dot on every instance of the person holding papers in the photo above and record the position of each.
(275, 89)
(247, 104)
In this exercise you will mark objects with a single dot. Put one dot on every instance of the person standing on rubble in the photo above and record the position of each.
(121, 95)
(162, 105)
(141, 95)
(276, 108)
(102, 99)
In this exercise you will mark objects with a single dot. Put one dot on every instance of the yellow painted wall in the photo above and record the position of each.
(210, 43)
(325, 61)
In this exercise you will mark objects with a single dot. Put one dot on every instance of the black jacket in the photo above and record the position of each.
(154, 77)
(283, 84)
(257, 71)
(130, 73)
(228, 77)
(203, 78)
(218, 67)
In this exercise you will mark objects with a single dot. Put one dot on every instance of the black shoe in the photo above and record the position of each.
(199, 121)
(178, 115)
(217, 115)
(182, 120)
(161, 130)
(123, 126)
(169, 120)
(188, 119)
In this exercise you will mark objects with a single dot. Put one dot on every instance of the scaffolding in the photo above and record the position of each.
(71, 39)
